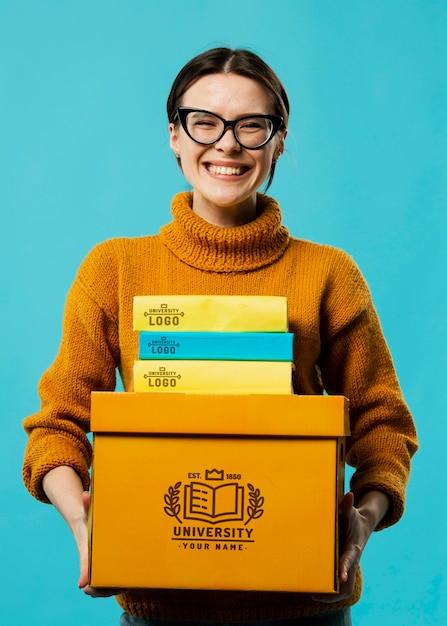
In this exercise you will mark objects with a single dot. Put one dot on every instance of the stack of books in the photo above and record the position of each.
(213, 344)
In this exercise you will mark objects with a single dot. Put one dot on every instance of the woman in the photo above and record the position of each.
(228, 116)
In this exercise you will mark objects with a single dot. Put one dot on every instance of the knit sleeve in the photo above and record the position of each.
(86, 361)
(356, 362)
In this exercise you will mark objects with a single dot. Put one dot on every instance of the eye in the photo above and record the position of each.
(204, 123)
(203, 120)
(253, 125)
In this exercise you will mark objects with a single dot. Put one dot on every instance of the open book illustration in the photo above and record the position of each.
(224, 503)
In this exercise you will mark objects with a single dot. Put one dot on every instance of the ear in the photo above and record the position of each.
(173, 139)
(281, 139)
(280, 144)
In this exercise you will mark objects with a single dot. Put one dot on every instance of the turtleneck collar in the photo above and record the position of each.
(213, 248)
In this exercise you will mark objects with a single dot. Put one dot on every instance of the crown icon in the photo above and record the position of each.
(162, 369)
(214, 474)
(163, 305)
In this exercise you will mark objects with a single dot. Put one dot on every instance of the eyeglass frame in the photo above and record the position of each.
(182, 112)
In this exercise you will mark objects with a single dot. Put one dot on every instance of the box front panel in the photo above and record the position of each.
(214, 513)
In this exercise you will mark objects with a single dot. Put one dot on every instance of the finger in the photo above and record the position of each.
(348, 559)
(105, 592)
(331, 598)
(345, 591)
(82, 542)
(83, 573)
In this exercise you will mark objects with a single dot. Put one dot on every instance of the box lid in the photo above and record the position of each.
(238, 415)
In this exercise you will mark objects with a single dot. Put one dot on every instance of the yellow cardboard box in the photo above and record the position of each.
(216, 492)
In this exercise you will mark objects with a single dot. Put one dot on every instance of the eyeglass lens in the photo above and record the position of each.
(206, 128)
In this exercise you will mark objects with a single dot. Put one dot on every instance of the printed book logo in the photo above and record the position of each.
(163, 316)
(162, 346)
(161, 378)
(223, 506)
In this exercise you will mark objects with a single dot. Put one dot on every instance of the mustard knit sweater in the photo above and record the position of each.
(339, 348)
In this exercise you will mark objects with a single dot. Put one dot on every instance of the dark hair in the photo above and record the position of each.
(225, 61)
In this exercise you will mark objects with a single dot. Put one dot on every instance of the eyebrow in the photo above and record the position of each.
(201, 110)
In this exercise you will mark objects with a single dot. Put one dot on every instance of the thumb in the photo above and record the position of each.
(346, 504)
(86, 498)
(83, 544)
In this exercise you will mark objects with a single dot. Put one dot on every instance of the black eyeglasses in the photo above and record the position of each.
(251, 131)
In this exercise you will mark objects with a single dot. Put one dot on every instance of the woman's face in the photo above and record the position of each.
(225, 176)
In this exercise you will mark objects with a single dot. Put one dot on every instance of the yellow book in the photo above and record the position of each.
(204, 377)
(210, 313)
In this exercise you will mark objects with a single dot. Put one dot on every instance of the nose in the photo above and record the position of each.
(228, 143)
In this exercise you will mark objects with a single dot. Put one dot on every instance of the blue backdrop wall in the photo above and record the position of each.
(84, 156)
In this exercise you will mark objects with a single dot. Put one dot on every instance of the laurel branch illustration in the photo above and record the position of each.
(255, 501)
(171, 499)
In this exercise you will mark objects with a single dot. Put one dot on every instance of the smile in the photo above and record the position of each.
(225, 171)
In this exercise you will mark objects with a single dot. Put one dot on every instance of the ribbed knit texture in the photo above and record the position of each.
(339, 348)
(208, 247)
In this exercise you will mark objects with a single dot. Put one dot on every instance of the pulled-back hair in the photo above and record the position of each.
(226, 61)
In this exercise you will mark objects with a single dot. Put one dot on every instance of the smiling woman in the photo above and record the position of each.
(231, 84)
(228, 115)
(224, 171)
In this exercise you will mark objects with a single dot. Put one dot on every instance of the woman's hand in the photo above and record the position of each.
(81, 538)
(357, 524)
(64, 489)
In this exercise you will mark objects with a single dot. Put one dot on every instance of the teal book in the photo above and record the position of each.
(225, 346)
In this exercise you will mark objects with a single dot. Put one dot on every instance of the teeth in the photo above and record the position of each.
(226, 171)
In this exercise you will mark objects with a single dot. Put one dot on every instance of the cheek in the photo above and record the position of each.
(189, 161)
(266, 162)
(187, 154)
(178, 144)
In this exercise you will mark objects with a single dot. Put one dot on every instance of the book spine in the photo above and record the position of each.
(216, 346)
(233, 377)
(210, 313)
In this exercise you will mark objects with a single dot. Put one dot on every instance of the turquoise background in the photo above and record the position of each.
(84, 156)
